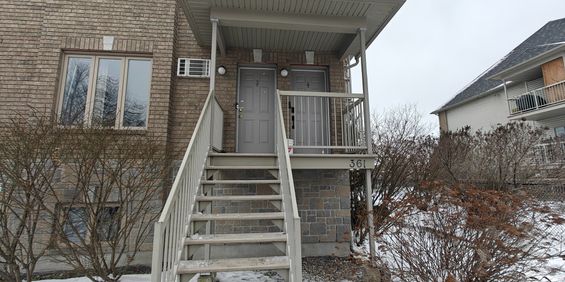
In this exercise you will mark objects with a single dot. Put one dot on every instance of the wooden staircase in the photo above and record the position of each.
(248, 183)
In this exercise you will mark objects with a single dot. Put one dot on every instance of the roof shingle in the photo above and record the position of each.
(550, 36)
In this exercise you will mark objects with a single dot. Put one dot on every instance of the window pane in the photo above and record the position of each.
(76, 89)
(107, 91)
(137, 93)
(108, 224)
(75, 225)
(560, 131)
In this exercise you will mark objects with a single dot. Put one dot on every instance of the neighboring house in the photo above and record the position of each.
(278, 71)
(528, 84)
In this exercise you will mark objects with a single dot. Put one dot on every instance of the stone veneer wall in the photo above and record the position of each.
(323, 198)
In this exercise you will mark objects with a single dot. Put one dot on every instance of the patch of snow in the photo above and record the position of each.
(248, 276)
(552, 269)
(125, 278)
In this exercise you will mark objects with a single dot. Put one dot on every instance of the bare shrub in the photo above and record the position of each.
(85, 196)
(27, 144)
(468, 234)
(402, 149)
(117, 178)
(501, 158)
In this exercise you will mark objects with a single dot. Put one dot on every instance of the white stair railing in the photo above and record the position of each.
(292, 218)
(172, 227)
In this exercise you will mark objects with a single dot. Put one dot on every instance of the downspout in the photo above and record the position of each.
(347, 73)
(506, 94)
(369, 143)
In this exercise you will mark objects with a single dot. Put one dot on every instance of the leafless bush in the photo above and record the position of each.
(501, 158)
(117, 179)
(87, 196)
(468, 234)
(27, 171)
(403, 152)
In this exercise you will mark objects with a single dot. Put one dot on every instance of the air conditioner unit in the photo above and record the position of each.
(193, 67)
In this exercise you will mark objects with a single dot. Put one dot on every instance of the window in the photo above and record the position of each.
(559, 131)
(75, 226)
(107, 223)
(105, 91)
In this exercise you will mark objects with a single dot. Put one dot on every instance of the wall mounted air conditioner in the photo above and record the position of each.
(188, 67)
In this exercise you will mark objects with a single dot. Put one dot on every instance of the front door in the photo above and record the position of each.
(256, 110)
(311, 114)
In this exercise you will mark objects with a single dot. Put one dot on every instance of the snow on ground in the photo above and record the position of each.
(552, 269)
(125, 278)
(239, 276)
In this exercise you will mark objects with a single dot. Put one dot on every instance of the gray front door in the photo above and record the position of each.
(311, 114)
(256, 113)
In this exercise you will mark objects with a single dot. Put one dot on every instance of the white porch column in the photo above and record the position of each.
(213, 51)
(369, 141)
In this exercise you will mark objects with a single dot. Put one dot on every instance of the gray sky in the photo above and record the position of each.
(432, 49)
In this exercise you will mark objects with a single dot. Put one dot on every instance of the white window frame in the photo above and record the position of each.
(93, 77)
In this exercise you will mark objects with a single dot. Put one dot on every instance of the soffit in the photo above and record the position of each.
(375, 13)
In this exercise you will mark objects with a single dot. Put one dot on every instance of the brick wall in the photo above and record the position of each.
(190, 93)
(35, 35)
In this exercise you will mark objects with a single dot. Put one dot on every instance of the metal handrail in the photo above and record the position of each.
(173, 224)
(330, 122)
(550, 152)
(290, 207)
(538, 98)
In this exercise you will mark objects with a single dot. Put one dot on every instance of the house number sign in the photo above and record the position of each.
(357, 163)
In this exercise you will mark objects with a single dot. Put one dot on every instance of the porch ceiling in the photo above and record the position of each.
(290, 25)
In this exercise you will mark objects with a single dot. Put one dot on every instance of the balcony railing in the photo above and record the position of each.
(550, 152)
(537, 99)
(324, 122)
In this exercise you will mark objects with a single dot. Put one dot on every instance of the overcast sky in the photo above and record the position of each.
(432, 49)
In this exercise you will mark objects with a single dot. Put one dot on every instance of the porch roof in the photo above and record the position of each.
(290, 25)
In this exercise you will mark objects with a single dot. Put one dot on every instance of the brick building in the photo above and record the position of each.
(154, 62)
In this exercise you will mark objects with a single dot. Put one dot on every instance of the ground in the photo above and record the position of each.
(315, 269)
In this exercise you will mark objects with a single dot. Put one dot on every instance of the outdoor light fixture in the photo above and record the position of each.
(284, 72)
(222, 70)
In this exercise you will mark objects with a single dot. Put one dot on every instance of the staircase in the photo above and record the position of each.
(237, 197)
(227, 211)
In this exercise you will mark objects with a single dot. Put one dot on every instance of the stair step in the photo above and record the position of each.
(238, 216)
(235, 167)
(242, 160)
(239, 264)
(236, 238)
(242, 181)
(264, 155)
(239, 198)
